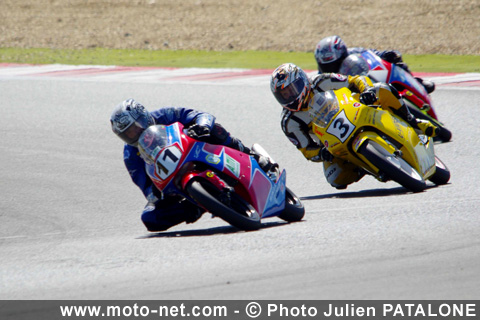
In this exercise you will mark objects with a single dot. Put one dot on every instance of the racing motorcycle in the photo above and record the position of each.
(225, 182)
(375, 140)
(413, 93)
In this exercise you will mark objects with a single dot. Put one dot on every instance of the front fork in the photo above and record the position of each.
(214, 179)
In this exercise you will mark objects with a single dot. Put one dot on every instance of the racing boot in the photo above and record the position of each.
(428, 85)
(191, 212)
(427, 128)
(421, 126)
(264, 163)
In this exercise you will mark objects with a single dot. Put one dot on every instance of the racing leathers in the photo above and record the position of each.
(161, 213)
(297, 126)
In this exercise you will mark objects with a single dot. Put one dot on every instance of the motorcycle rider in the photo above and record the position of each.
(130, 118)
(294, 90)
(331, 51)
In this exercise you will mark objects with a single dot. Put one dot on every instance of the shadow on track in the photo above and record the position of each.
(209, 232)
(364, 193)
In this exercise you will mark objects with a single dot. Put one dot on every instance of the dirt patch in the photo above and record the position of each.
(411, 26)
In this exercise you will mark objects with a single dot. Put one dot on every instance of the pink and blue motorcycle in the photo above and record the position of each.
(223, 181)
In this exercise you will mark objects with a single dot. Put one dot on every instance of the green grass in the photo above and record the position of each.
(443, 63)
(214, 59)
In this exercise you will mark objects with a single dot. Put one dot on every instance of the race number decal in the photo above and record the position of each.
(341, 127)
(167, 162)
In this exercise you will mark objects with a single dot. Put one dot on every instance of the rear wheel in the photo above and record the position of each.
(229, 206)
(393, 166)
(294, 209)
(442, 174)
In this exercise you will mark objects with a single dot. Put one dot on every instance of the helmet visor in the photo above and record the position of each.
(132, 133)
(330, 67)
(290, 93)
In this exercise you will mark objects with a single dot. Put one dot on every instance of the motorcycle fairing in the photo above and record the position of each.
(405, 79)
(175, 153)
(268, 197)
(378, 71)
(383, 71)
(417, 152)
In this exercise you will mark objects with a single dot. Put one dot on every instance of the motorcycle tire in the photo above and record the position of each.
(394, 167)
(239, 213)
(442, 174)
(443, 134)
(294, 209)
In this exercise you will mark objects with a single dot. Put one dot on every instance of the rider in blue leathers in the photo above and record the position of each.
(128, 121)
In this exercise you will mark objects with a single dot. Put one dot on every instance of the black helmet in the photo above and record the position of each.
(129, 120)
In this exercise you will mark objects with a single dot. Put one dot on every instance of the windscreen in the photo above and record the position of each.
(152, 140)
(323, 107)
(354, 65)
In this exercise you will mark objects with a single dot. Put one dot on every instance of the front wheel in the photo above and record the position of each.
(228, 206)
(442, 174)
(294, 209)
(393, 166)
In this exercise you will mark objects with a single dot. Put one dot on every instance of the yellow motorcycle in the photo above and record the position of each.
(376, 140)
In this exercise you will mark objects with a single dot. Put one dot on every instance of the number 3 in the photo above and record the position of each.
(341, 127)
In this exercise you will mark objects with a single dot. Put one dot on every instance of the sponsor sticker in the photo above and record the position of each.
(232, 165)
(213, 158)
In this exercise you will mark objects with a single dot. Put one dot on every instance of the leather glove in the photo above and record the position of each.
(326, 155)
(368, 97)
(392, 56)
(198, 131)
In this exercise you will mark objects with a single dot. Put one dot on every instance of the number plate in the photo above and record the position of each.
(341, 127)
(167, 162)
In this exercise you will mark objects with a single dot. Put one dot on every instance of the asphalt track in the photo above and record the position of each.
(70, 217)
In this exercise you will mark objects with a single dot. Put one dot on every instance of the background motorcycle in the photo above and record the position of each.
(410, 89)
(224, 181)
(375, 140)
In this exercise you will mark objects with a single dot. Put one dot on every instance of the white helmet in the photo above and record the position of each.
(330, 53)
(290, 86)
(129, 120)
